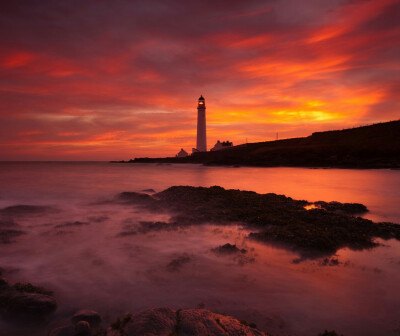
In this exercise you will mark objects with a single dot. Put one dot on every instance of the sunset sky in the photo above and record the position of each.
(109, 80)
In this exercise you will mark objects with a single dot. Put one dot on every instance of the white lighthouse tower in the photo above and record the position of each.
(201, 125)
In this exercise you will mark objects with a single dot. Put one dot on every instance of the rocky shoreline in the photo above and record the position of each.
(311, 229)
(29, 304)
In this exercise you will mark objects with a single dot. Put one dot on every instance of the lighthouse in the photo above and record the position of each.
(201, 125)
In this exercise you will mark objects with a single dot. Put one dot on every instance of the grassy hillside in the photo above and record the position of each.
(375, 146)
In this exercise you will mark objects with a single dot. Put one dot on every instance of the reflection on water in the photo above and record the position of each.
(89, 253)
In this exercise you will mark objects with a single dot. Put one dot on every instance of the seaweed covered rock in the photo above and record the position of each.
(228, 249)
(216, 204)
(274, 218)
(236, 254)
(347, 208)
(186, 322)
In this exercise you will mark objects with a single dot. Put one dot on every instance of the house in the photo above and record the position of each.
(221, 145)
(182, 153)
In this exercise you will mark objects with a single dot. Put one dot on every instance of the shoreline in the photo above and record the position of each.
(369, 147)
(267, 216)
(166, 161)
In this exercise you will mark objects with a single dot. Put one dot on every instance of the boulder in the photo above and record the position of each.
(82, 328)
(228, 249)
(25, 301)
(27, 305)
(150, 322)
(89, 316)
(186, 322)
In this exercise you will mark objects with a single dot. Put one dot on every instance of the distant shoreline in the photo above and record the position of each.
(162, 163)
(368, 147)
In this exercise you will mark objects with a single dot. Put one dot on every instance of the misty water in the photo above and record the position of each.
(94, 266)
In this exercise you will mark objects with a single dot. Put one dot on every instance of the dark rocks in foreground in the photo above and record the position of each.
(272, 218)
(89, 316)
(182, 322)
(25, 302)
(162, 322)
(84, 323)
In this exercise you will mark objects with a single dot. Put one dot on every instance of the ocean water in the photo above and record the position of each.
(82, 250)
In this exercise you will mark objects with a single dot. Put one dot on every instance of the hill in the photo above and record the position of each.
(374, 146)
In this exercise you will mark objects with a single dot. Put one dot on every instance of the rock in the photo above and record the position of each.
(23, 301)
(82, 328)
(228, 249)
(27, 287)
(204, 322)
(151, 322)
(20, 210)
(187, 322)
(148, 190)
(89, 316)
(177, 263)
(238, 255)
(4, 285)
(346, 208)
(26, 305)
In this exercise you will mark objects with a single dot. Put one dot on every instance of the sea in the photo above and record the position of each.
(82, 252)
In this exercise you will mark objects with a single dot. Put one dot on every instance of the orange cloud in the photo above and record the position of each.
(125, 81)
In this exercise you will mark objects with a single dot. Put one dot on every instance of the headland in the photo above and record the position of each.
(373, 146)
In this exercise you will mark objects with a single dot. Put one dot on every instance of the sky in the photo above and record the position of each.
(113, 80)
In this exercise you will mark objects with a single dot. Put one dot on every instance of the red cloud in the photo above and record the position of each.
(96, 83)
